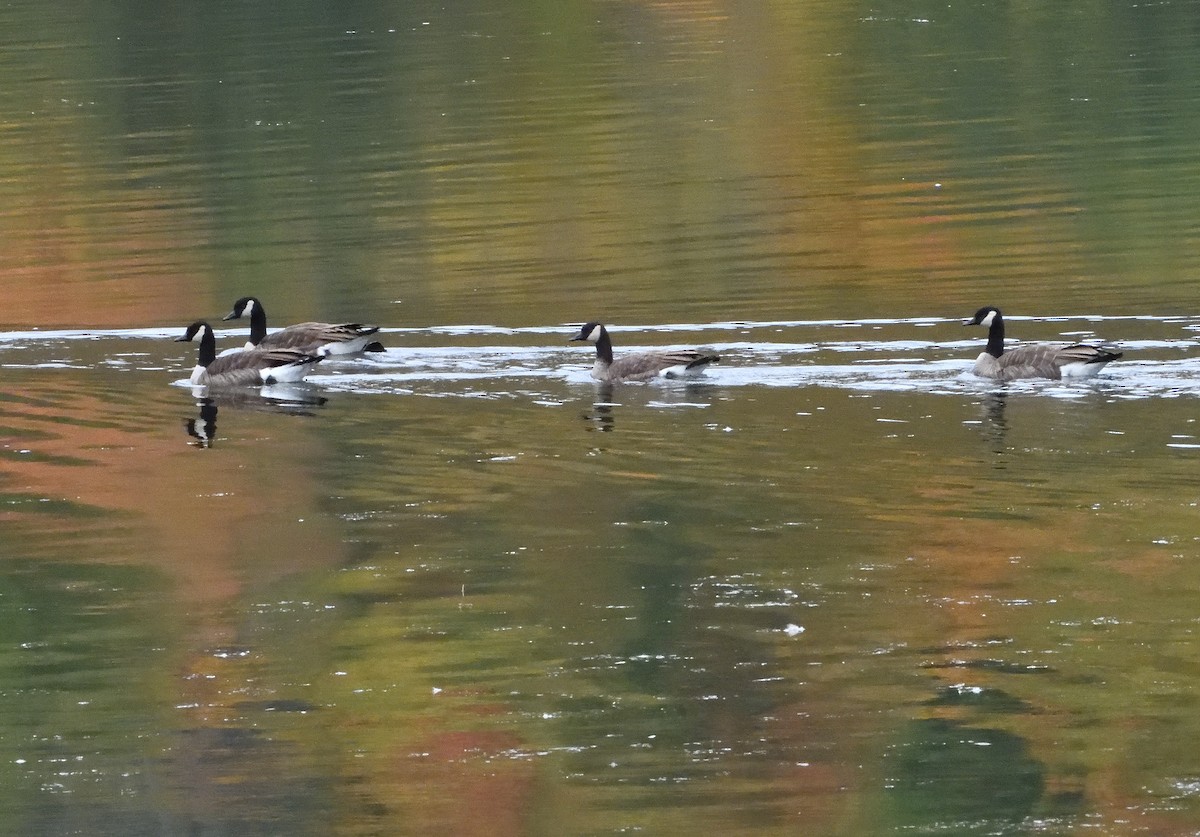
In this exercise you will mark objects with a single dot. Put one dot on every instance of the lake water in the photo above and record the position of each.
(840, 586)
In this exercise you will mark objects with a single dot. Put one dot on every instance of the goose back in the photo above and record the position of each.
(315, 338)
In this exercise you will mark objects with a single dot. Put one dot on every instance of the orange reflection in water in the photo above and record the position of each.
(200, 517)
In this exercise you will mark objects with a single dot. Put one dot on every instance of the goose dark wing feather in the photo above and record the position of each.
(699, 359)
(1085, 353)
(647, 365)
(637, 367)
(255, 359)
(246, 368)
(312, 335)
(1046, 360)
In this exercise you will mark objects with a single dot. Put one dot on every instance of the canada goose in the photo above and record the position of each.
(1036, 360)
(312, 338)
(643, 366)
(247, 368)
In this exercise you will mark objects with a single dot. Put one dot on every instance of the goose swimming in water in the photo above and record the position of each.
(644, 366)
(1034, 360)
(245, 368)
(311, 338)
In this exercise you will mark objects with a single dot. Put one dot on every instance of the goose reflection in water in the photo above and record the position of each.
(602, 415)
(601, 418)
(203, 428)
(994, 423)
(293, 399)
(269, 397)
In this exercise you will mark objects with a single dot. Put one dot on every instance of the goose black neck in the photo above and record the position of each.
(604, 346)
(208, 346)
(258, 323)
(995, 344)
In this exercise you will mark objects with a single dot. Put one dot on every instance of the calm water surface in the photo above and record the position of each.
(839, 587)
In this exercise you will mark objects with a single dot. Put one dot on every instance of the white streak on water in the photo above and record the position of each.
(540, 364)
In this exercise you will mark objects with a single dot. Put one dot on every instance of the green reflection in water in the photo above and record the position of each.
(83, 704)
(970, 780)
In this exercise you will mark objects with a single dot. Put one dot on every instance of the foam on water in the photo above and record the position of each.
(883, 357)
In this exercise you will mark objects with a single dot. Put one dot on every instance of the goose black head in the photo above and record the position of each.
(591, 332)
(985, 316)
(192, 330)
(242, 307)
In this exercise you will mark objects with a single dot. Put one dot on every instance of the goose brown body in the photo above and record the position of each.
(1034, 360)
(643, 366)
